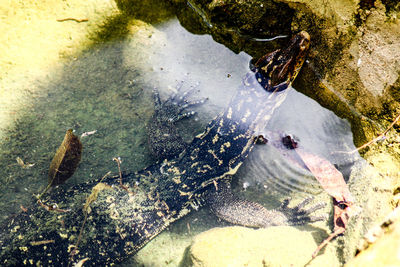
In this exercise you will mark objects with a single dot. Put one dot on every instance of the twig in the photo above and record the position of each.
(105, 175)
(327, 240)
(42, 242)
(216, 185)
(23, 208)
(118, 160)
(342, 212)
(74, 251)
(85, 210)
(73, 19)
(379, 137)
(45, 190)
(53, 207)
(88, 133)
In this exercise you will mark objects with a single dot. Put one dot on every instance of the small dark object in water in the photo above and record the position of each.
(261, 140)
(289, 142)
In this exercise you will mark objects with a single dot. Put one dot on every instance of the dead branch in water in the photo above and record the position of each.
(118, 160)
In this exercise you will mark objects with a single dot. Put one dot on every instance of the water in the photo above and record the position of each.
(108, 89)
(317, 129)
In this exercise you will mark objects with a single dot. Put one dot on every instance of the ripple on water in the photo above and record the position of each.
(317, 130)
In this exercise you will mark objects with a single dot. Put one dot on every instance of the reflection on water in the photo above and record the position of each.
(108, 90)
(317, 129)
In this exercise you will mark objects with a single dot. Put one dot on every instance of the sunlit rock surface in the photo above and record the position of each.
(381, 245)
(274, 246)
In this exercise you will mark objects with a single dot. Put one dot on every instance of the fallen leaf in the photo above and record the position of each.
(325, 172)
(327, 175)
(66, 159)
(334, 184)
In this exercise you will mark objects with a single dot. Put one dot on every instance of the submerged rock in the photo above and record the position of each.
(274, 246)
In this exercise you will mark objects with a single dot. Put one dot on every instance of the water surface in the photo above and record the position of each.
(108, 89)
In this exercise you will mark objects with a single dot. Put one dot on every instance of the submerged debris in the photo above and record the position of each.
(66, 160)
(88, 133)
(62, 167)
(23, 164)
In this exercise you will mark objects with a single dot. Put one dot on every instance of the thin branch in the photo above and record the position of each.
(327, 240)
(75, 250)
(42, 242)
(52, 207)
(73, 19)
(118, 160)
(85, 210)
(379, 137)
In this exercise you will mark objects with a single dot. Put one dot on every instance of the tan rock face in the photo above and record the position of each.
(240, 246)
(369, 65)
(340, 12)
(379, 53)
(383, 244)
(357, 58)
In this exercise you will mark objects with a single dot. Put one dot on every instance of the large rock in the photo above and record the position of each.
(381, 244)
(274, 246)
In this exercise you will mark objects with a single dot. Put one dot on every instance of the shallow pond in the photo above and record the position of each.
(107, 91)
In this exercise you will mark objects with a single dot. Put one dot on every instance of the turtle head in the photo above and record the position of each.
(277, 70)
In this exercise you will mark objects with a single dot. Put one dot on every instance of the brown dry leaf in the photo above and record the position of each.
(324, 171)
(327, 175)
(334, 184)
(66, 159)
